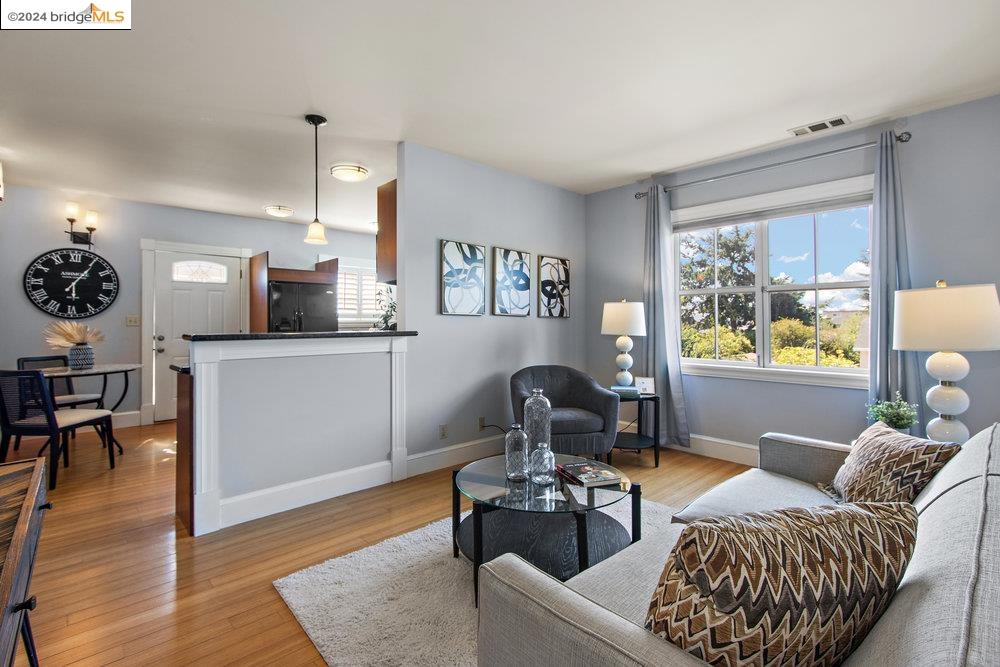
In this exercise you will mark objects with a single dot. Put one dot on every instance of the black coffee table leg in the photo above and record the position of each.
(455, 507)
(477, 545)
(636, 493)
(582, 544)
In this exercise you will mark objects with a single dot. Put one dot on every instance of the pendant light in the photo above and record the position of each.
(316, 233)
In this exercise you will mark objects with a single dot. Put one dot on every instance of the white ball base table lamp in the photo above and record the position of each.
(946, 320)
(623, 319)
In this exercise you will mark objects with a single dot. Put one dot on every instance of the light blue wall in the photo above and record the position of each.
(950, 182)
(32, 222)
(458, 368)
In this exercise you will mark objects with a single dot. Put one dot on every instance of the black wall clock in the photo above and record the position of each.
(71, 283)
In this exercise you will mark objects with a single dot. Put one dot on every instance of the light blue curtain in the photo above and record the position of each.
(662, 344)
(889, 370)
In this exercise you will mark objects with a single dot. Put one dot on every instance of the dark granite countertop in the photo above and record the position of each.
(294, 335)
(180, 368)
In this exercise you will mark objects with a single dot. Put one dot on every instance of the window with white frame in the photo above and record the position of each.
(778, 291)
(357, 295)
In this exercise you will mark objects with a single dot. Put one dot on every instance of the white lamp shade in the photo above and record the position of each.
(316, 234)
(624, 318)
(963, 318)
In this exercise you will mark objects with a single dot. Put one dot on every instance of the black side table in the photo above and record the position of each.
(638, 441)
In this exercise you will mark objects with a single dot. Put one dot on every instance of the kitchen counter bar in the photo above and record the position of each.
(270, 422)
(277, 335)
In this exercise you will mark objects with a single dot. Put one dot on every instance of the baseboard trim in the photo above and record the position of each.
(716, 448)
(719, 448)
(257, 504)
(125, 419)
(435, 459)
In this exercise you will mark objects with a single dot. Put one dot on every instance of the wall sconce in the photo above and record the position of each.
(90, 219)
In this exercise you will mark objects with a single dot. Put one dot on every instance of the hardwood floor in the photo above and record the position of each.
(117, 585)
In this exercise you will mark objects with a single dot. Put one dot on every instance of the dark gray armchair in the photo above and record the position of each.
(584, 414)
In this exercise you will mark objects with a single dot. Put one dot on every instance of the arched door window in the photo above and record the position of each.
(199, 271)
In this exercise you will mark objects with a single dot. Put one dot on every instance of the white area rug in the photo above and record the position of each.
(404, 601)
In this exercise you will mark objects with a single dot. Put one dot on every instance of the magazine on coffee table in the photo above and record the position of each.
(591, 473)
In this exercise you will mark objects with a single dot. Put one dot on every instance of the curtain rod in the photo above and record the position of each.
(902, 138)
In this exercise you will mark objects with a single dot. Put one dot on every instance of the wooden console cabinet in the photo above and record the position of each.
(22, 504)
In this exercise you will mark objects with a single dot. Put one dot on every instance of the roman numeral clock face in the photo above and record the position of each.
(71, 283)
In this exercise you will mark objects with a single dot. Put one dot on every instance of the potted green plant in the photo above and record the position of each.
(387, 307)
(897, 414)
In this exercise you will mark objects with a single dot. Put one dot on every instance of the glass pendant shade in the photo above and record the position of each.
(316, 233)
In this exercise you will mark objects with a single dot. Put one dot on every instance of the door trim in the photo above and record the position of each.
(149, 248)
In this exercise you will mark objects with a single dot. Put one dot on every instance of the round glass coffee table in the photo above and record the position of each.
(553, 527)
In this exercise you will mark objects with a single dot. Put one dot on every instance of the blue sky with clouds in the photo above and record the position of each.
(842, 238)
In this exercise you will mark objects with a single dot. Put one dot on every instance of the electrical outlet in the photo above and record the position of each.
(132, 320)
(442, 431)
(482, 423)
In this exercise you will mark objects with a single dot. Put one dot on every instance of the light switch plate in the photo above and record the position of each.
(132, 320)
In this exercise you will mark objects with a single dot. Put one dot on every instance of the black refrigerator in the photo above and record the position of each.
(302, 306)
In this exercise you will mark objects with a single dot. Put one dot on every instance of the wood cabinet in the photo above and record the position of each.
(184, 475)
(385, 240)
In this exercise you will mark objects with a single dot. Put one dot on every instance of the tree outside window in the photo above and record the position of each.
(807, 276)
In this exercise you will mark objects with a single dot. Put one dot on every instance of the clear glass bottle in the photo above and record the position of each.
(516, 451)
(543, 465)
(537, 419)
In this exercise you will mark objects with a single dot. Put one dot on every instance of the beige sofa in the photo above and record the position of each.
(945, 612)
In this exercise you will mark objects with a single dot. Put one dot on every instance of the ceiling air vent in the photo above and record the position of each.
(812, 128)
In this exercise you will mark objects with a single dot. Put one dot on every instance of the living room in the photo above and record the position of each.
(278, 284)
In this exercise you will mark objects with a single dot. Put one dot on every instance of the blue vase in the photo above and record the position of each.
(81, 356)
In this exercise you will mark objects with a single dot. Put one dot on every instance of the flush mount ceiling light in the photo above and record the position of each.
(279, 211)
(348, 171)
(316, 234)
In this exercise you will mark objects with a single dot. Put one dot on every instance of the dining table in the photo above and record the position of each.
(104, 371)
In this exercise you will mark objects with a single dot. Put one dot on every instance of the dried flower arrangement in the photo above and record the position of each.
(66, 334)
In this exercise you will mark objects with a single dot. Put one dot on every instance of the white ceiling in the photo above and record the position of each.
(200, 104)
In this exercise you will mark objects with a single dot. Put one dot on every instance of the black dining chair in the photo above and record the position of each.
(27, 409)
(64, 394)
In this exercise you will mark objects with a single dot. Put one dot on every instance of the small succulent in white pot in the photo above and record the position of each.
(75, 337)
(897, 413)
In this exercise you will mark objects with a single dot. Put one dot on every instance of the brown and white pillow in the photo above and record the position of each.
(886, 466)
(796, 586)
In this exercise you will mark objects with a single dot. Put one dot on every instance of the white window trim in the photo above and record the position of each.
(798, 375)
(684, 219)
(808, 195)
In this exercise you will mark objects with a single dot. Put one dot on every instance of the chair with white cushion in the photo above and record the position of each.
(63, 393)
(27, 409)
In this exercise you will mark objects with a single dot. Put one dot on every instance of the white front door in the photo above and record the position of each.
(195, 294)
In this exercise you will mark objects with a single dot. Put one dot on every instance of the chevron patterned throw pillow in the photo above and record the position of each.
(886, 466)
(789, 587)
